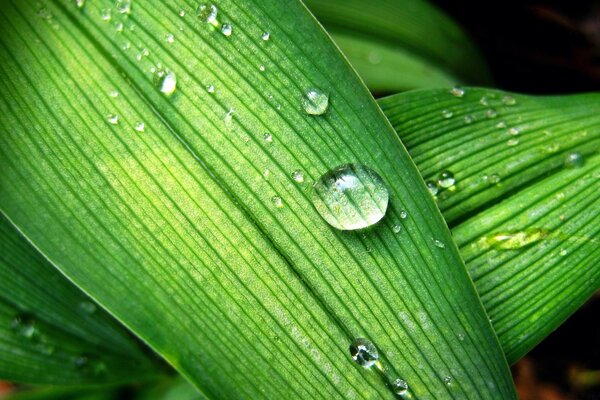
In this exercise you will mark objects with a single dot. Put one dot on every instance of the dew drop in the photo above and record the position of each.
(493, 179)
(106, 14)
(228, 119)
(491, 113)
(165, 80)
(364, 353)
(484, 101)
(119, 27)
(113, 93)
(468, 119)
(350, 197)
(396, 228)
(448, 380)
(461, 336)
(515, 240)
(207, 13)
(562, 252)
(266, 173)
(403, 214)
(210, 88)
(514, 131)
(182, 13)
(140, 127)
(277, 201)
(261, 68)
(24, 325)
(439, 243)
(432, 187)
(265, 36)
(574, 160)
(87, 307)
(512, 142)
(457, 92)
(112, 119)
(268, 137)
(170, 38)
(79, 3)
(446, 179)
(315, 102)
(124, 6)
(509, 100)
(298, 176)
(501, 125)
(226, 29)
(400, 387)
(447, 113)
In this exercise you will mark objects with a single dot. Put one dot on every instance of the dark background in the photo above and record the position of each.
(545, 47)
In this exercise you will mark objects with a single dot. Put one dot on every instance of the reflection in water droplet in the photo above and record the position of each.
(165, 80)
(351, 196)
(298, 176)
(228, 119)
(574, 160)
(207, 13)
(400, 387)
(562, 252)
(509, 100)
(265, 36)
(315, 102)
(446, 179)
(432, 187)
(492, 179)
(484, 101)
(457, 92)
(261, 68)
(112, 119)
(226, 29)
(447, 113)
(364, 352)
(113, 93)
(277, 201)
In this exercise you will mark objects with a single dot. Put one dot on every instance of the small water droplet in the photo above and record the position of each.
(24, 325)
(448, 380)
(432, 187)
(364, 353)
(501, 125)
(396, 228)
(512, 142)
(277, 201)
(484, 101)
(142, 54)
(493, 178)
(400, 387)
(447, 113)
(124, 6)
(266, 173)
(165, 80)
(268, 137)
(491, 113)
(106, 14)
(439, 243)
(113, 93)
(468, 119)
(126, 46)
(298, 176)
(87, 307)
(265, 36)
(509, 100)
(514, 131)
(182, 13)
(461, 336)
(457, 92)
(261, 68)
(210, 88)
(563, 252)
(374, 57)
(515, 240)
(315, 102)
(170, 38)
(119, 27)
(228, 119)
(351, 196)
(226, 29)
(112, 119)
(207, 13)
(574, 160)
(446, 179)
(403, 214)
(140, 127)
(79, 3)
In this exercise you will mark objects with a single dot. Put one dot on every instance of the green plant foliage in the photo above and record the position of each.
(524, 207)
(195, 232)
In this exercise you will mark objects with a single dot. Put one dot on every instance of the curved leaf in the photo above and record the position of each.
(50, 332)
(526, 225)
(247, 297)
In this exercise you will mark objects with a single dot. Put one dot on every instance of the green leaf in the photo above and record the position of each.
(527, 226)
(401, 44)
(194, 233)
(50, 332)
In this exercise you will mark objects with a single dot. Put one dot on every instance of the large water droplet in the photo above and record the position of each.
(207, 13)
(574, 160)
(165, 80)
(364, 352)
(315, 102)
(446, 179)
(400, 387)
(226, 29)
(351, 196)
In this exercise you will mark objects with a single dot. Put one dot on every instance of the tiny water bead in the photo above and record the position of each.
(87, 307)
(24, 325)
(446, 179)
(512, 142)
(277, 201)
(207, 13)
(448, 380)
(261, 68)
(468, 119)
(210, 88)
(315, 102)
(447, 113)
(400, 387)
(438, 243)
(124, 6)
(396, 228)
(112, 119)
(514, 131)
(140, 127)
(170, 38)
(492, 179)
(457, 92)
(265, 36)
(226, 29)
(268, 137)
(574, 160)
(165, 80)
(491, 113)
(363, 352)
(509, 100)
(432, 187)
(79, 3)
(403, 214)
(350, 197)
(298, 176)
